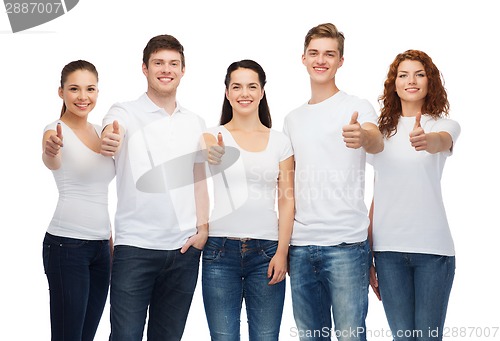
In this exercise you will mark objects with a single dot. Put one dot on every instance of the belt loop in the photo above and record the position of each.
(223, 242)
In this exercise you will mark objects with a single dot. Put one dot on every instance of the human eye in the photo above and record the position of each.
(91, 89)
(421, 74)
(73, 88)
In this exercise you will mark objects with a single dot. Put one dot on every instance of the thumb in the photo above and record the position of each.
(219, 140)
(417, 121)
(59, 131)
(354, 118)
(116, 127)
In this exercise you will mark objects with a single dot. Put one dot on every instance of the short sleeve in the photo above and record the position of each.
(51, 126)
(285, 146)
(116, 113)
(366, 112)
(447, 125)
(450, 126)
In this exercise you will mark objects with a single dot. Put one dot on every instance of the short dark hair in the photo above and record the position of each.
(163, 42)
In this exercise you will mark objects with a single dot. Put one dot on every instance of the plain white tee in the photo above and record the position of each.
(409, 213)
(82, 181)
(154, 174)
(245, 192)
(329, 177)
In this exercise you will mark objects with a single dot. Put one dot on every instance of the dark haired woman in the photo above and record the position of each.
(76, 247)
(245, 257)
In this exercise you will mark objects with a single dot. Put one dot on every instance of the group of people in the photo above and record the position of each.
(283, 202)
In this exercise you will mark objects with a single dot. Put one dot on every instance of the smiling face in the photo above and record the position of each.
(163, 72)
(79, 93)
(322, 59)
(244, 92)
(411, 82)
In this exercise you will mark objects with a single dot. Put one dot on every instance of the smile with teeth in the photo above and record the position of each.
(165, 79)
(318, 68)
(245, 102)
(412, 89)
(82, 106)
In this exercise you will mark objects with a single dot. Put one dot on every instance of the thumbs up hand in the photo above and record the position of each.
(111, 139)
(353, 133)
(216, 151)
(54, 143)
(418, 138)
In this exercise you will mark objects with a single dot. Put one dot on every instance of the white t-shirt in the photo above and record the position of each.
(329, 177)
(245, 193)
(154, 174)
(409, 214)
(82, 180)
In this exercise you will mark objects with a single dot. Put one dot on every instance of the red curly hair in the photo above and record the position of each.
(435, 104)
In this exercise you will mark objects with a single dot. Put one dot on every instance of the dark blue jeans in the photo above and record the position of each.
(78, 275)
(161, 280)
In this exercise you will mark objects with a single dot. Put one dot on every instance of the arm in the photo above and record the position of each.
(373, 271)
(199, 239)
(373, 142)
(286, 207)
(433, 142)
(52, 144)
(366, 135)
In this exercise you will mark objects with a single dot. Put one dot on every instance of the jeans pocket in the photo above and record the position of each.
(46, 257)
(269, 249)
(211, 252)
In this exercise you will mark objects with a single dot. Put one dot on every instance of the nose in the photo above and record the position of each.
(412, 79)
(244, 91)
(321, 58)
(166, 68)
(82, 94)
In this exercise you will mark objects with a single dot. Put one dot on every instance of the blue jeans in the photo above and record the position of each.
(234, 270)
(415, 289)
(326, 281)
(163, 280)
(78, 274)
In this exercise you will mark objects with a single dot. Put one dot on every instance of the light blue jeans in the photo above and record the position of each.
(233, 270)
(415, 289)
(326, 281)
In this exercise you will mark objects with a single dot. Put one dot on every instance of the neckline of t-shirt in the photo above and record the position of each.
(78, 138)
(245, 150)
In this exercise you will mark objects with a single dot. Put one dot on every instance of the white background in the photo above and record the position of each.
(461, 37)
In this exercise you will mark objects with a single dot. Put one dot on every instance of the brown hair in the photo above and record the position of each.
(435, 103)
(327, 30)
(163, 42)
(72, 67)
